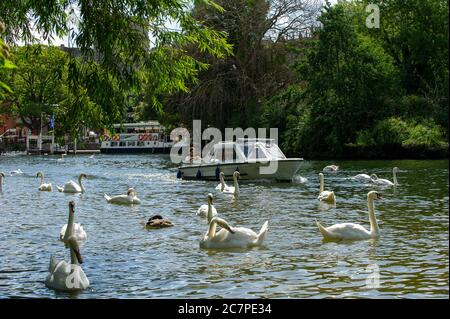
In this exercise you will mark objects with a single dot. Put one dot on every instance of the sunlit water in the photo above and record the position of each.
(123, 260)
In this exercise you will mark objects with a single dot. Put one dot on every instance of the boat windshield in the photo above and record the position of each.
(260, 149)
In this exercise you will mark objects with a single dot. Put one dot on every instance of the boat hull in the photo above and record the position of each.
(248, 171)
(128, 150)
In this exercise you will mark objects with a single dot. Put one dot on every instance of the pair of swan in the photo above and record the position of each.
(44, 187)
(72, 187)
(351, 231)
(326, 196)
(224, 188)
(227, 236)
(378, 181)
(129, 199)
(66, 276)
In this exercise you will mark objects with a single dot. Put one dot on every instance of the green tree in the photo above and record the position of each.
(5, 63)
(130, 38)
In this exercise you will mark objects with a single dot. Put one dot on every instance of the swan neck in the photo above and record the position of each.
(69, 228)
(374, 230)
(212, 228)
(395, 177)
(321, 183)
(236, 186)
(73, 257)
(209, 214)
(80, 182)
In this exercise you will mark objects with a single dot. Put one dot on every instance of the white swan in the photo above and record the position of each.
(63, 275)
(222, 185)
(386, 182)
(76, 229)
(232, 237)
(326, 196)
(62, 158)
(78, 232)
(351, 231)
(234, 190)
(45, 187)
(16, 172)
(129, 199)
(207, 210)
(2, 176)
(363, 178)
(72, 187)
(331, 168)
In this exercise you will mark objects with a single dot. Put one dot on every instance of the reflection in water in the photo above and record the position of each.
(122, 259)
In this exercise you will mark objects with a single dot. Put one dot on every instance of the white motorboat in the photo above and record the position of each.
(255, 159)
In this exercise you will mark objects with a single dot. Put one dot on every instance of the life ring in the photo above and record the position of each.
(116, 138)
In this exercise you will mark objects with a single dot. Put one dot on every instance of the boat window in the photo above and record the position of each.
(140, 143)
(131, 143)
(122, 144)
(256, 153)
(113, 144)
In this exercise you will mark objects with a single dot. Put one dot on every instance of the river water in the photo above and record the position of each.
(123, 260)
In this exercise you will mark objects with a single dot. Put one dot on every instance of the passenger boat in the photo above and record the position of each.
(143, 137)
(251, 157)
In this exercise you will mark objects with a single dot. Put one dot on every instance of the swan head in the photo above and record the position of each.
(395, 169)
(221, 174)
(210, 198)
(374, 177)
(374, 195)
(2, 175)
(236, 174)
(131, 191)
(83, 175)
(39, 174)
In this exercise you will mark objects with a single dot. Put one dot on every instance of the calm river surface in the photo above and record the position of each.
(123, 260)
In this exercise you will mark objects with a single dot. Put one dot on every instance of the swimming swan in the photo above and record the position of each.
(207, 210)
(2, 176)
(232, 237)
(77, 230)
(331, 168)
(129, 199)
(233, 189)
(62, 158)
(326, 196)
(44, 187)
(16, 172)
(363, 178)
(351, 231)
(386, 182)
(72, 187)
(221, 187)
(63, 275)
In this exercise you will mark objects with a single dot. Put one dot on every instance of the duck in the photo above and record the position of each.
(2, 176)
(386, 182)
(351, 231)
(157, 221)
(234, 190)
(44, 187)
(326, 196)
(207, 210)
(66, 276)
(129, 199)
(77, 230)
(72, 187)
(232, 237)
(331, 168)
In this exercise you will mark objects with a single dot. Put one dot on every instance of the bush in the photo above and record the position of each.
(395, 131)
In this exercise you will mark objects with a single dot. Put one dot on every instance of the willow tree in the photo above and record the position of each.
(231, 91)
(131, 40)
